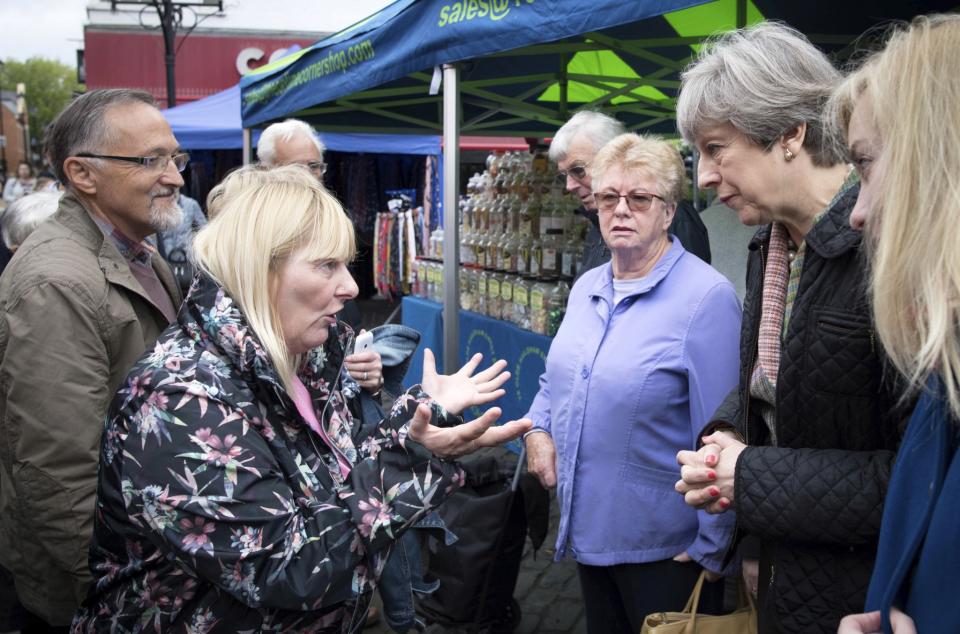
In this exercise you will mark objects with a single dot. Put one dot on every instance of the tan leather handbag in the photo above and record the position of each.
(741, 621)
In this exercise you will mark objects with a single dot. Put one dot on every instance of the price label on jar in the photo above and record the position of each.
(549, 260)
(536, 300)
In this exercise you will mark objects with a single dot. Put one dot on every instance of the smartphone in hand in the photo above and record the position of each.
(363, 342)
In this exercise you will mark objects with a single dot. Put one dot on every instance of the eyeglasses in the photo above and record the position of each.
(317, 167)
(152, 163)
(636, 201)
(577, 173)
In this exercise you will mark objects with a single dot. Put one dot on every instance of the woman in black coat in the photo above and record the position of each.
(802, 449)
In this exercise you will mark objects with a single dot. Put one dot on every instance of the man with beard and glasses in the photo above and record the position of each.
(81, 300)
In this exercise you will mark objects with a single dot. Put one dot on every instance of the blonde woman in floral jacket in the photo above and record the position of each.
(237, 492)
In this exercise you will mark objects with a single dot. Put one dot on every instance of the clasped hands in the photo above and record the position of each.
(706, 475)
(455, 393)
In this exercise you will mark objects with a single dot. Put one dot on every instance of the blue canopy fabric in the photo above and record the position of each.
(526, 65)
(410, 36)
(213, 123)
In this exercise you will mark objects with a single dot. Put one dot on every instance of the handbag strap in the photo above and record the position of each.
(746, 597)
(693, 602)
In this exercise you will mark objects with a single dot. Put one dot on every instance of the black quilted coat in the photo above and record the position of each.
(815, 499)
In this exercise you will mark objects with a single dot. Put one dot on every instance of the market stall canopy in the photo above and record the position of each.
(526, 64)
(213, 123)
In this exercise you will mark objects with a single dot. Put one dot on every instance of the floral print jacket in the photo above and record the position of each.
(219, 510)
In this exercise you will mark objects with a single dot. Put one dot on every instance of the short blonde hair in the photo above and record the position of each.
(267, 216)
(914, 89)
(237, 180)
(647, 153)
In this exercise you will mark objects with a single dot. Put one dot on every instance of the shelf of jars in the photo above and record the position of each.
(520, 244)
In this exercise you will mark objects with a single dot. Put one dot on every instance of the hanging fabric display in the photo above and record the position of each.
(396, 245)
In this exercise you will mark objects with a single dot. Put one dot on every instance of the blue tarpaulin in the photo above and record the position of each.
(213, 123)
(526, 65)
(410, 36)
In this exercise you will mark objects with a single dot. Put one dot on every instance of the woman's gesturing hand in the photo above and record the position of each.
(456, 392)
(452, 442)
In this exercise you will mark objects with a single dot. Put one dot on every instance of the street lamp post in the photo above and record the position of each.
(170, 13)
(168, 25)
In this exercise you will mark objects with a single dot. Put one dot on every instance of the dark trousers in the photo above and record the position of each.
(617, 598)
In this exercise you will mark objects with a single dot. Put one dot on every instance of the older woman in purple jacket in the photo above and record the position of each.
(646, 352)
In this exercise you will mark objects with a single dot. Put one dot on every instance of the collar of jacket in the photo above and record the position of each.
(74, 216)
(589, 215)
(211, 317)
(603, 286)
(832, 236)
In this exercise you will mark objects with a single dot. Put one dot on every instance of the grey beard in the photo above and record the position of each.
(165, 219)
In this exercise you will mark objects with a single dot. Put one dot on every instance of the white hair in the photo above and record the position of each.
(596, 126)
(283, 132)
(765, 80)
(26, 214)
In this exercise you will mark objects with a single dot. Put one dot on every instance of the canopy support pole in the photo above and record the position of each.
(564, 60)
(247, 146)
(451, 226)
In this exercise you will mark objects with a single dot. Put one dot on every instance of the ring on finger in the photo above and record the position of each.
(364, 376)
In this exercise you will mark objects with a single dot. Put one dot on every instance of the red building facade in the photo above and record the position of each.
(207, 62)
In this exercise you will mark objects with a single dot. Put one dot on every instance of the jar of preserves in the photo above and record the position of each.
(521, 302)
(538, 306)
(494, 307)
(509, 252)
(524, 245)
(506, 298)
(570, 257)
(466, 299)
(550, 254)
(480, 305)
(536, 255)
(557, 307)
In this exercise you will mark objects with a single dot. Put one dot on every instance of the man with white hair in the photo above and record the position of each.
(292, 142)
(26, 214)
(80, 301)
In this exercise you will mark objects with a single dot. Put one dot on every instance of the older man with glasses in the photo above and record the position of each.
(81, 300)
(292, 142)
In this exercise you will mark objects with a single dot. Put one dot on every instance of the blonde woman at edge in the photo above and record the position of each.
(899, 114)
